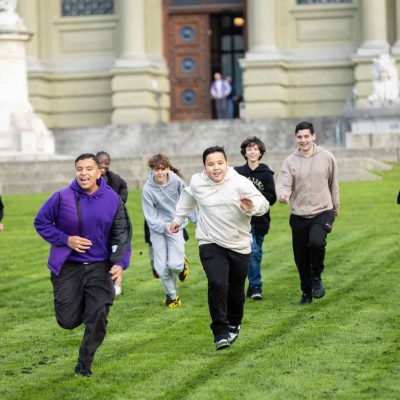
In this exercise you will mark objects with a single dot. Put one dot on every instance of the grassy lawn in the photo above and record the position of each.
(344, 346)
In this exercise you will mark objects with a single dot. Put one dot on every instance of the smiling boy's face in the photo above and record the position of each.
(216, 166)
(86, 173)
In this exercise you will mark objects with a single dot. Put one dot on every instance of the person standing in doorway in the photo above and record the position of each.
(308, 182)
(90, 233)
(220, 90)
(253, 149)
(226, 202)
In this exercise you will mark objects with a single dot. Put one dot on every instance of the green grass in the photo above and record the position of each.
(344, 346)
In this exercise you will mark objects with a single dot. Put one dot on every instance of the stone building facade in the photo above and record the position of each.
(101, 62)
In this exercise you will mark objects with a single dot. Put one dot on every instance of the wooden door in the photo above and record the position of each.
(189, 66)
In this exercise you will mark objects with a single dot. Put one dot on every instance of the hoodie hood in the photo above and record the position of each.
(95, 195)
(317, 149)
(172, 177)
(230, 173)
(159, 201)
(247, 171)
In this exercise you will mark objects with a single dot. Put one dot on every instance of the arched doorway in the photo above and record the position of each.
(202, 37)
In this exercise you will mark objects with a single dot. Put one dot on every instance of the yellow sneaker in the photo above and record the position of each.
(185, 272)
(172, 303)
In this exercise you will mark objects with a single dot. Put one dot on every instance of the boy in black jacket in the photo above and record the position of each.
(252, 150)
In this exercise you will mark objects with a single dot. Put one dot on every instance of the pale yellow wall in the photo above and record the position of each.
(312, 73)
(76, 77)
(73, 80)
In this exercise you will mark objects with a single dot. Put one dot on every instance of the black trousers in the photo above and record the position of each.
(226, 272)
(84, 293)
(309, 243)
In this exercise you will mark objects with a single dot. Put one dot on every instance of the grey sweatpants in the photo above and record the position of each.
(169, 252)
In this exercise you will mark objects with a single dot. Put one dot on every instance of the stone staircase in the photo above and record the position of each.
(47, 176)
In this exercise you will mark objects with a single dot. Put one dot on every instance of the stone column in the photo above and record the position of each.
(396, 46)
(374, 28)
(132, 31)
(140, 78)
(29, 12)
(21, 130)
(262, 35)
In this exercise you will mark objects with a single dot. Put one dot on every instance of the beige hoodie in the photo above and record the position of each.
(220, 218)
(311, 183)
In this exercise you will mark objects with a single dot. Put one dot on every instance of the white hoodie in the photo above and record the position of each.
(220, 218)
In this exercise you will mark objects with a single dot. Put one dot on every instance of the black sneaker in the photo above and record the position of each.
(318, 290)
(254, 292)
(79, 371)
(222, 343)
(234, 331)
(306, 298)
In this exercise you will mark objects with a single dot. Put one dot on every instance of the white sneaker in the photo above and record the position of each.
(118, 289)
(234, 331)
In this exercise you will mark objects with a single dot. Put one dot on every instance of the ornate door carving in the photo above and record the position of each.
(189, 65)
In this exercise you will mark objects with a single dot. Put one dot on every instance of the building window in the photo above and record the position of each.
(322, 1)
(72, 8)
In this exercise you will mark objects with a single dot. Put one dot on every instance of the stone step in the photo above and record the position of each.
(49, 176)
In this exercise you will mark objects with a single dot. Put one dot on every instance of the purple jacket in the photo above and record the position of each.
(104, 221)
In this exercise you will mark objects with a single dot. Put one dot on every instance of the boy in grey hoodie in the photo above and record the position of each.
(309, 183)
(159, 198)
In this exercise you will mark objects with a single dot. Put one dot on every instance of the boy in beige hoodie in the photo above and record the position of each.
(309, 183)
(226, 202)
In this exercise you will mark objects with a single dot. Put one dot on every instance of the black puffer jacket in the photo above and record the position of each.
(118, 185)
(263, 179)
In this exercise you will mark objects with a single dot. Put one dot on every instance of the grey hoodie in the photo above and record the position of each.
(159, 201)
(311, 183)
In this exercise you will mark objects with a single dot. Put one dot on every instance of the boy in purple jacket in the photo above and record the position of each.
(89, 231)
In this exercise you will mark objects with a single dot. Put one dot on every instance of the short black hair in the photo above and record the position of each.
(84, 156)
(213, 149)
(304, 125)
(252, 141)
(103, 153)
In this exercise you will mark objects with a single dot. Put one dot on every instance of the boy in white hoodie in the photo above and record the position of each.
(159, 197)
(226, 202)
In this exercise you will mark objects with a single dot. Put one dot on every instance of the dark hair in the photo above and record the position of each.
(213, 149)
(304, 125)
(84, 156)
(250, 142)
(103, 153)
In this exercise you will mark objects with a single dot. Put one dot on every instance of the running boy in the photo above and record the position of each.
(252, 149)
(159, 197)
(226, 202)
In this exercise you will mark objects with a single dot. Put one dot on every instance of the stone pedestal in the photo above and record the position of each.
(374, 128)
(21, 131)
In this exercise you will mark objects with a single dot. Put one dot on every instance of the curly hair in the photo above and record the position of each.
(251, 142)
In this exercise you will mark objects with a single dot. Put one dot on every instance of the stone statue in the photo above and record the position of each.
(8, 6)
(9, 19)
(385, 80)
